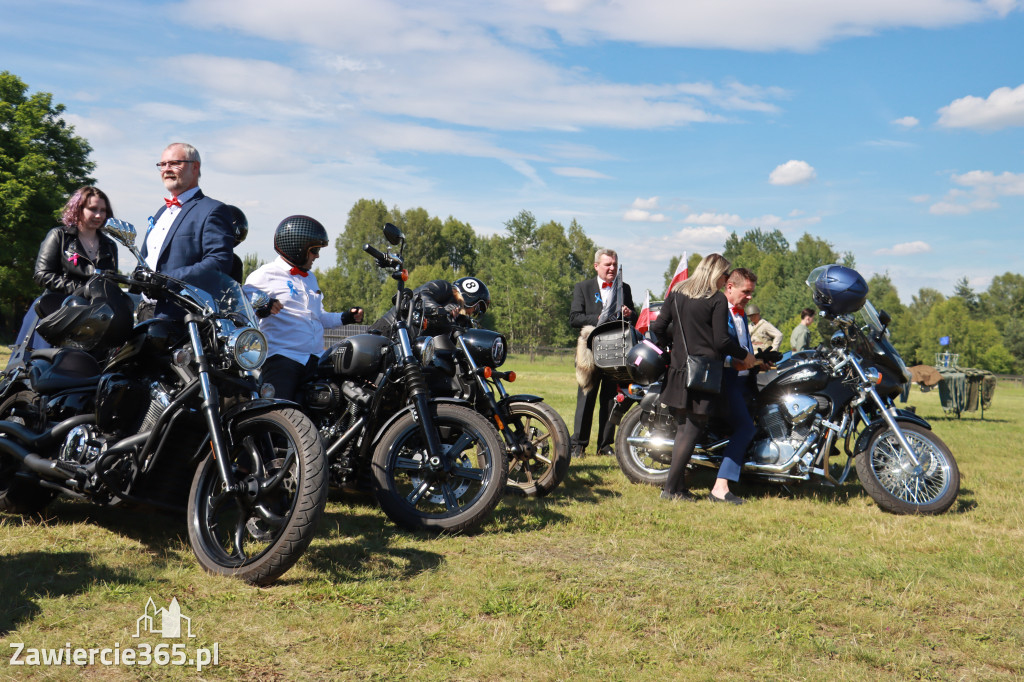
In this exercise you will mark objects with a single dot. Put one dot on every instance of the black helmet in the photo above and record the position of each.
(645, 362)
(838, 290)
(295, 236)
(475, 295)
(100, 317)
(239, 224)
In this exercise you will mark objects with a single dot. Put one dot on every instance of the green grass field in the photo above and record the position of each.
(602, 580)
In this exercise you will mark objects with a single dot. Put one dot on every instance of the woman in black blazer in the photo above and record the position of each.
(71, 253)
(702, 309)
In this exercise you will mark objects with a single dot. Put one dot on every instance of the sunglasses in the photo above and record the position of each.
(315, 250)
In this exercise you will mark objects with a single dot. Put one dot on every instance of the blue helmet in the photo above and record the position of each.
(838, 290)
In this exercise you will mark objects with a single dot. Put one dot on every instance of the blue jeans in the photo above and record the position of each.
(734, 394)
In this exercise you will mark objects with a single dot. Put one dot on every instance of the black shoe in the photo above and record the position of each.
(729, 497)
(578, 451)
(607, 451)
(683, 495)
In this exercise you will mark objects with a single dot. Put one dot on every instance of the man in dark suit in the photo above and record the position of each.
(588, 298)
(191, 232)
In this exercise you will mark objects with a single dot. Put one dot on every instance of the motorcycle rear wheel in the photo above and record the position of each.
(636, 461)
(896, 485)
(546, 441)
(258, 535)
(19, 495)
(418, 496)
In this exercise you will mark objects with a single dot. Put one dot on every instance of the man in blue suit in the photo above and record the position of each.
(191, 232)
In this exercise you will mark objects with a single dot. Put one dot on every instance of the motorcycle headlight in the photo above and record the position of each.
(247, 347)
(427, 351)
(498, 351)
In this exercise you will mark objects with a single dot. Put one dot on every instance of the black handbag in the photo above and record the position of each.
(702, 373)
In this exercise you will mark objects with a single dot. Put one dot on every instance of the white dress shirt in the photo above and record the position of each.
(296, 332)
(157, 232)
(742, 335)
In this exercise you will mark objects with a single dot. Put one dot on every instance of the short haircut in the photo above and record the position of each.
(806, 312)
(191, 153)
(605, 252)
(741, 275)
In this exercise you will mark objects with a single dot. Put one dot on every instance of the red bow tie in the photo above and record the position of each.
(298, 271)
(173, 201)
(737, 310)
(606, 285)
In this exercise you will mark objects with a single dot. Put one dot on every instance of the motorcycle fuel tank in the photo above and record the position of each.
(803, 378)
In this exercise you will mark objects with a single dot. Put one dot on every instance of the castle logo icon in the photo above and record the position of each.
(169, 620)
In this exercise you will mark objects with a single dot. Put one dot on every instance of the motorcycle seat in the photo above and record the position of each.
(47, 354)
(70, 369)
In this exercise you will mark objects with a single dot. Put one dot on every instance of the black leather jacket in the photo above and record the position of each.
(62, 265)
(438, 306)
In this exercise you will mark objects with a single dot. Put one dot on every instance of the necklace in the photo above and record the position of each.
(91, 250)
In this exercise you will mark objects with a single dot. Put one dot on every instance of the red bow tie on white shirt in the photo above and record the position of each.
(173, 201)
(737, 310)
(606, 285)
(298, 271)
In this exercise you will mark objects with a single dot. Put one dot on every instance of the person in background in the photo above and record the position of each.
(763, 334)
(72, 253)
(295, 333)
(442, 303)
(800, 339)
(588, 299)
(239, 231)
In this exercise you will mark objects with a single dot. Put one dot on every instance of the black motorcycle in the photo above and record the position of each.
(433, 463)
(844, 391)
(169, 418)
(463, 363)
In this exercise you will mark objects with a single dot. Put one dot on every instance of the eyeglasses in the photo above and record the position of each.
(173, 164)
(315, 250)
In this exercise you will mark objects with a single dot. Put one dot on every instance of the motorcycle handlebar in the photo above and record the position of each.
(384, 260)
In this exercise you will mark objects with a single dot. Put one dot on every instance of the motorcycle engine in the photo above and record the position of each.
(786, 424)
(83, 444)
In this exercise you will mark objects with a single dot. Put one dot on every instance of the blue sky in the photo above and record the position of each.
(893, 130)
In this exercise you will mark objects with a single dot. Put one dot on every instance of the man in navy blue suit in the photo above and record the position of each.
(191, 232)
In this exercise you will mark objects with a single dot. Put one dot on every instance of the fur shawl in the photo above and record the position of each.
(586, 371)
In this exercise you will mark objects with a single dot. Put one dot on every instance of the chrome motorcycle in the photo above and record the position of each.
(169, 418)
(843, 392)
(433, 463)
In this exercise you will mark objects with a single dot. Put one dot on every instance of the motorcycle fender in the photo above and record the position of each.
(251, 407)
(524, 398)
(408, 408)
(879, 424)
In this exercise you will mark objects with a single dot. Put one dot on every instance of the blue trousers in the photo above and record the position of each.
(734, 394)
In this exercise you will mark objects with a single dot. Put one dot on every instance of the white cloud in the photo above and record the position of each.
(948, 208)
(792, 173)
(905, 249)
(636, 215)
(730, 219)
(1001, 109)
(920, 198)
(571, 172)
(646, 204)
(906, 122)
(1005, 184)
(983, 189)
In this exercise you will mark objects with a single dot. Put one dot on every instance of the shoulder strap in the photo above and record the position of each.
(679, 321)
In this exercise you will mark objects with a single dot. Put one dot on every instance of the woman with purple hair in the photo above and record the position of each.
(73, 251)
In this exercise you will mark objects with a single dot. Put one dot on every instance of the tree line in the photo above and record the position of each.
(530, 268)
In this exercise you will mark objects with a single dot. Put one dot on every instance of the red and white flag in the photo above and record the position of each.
(679, 275)
(643, 321)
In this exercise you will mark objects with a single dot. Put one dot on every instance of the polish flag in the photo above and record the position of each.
(643, 321)
(679, 275)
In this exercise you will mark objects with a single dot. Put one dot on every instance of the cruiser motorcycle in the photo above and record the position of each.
(433, 463)
(165, 414)
(844, 392)
(463, 364)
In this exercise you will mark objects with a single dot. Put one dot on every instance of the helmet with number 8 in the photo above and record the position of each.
(474, 294)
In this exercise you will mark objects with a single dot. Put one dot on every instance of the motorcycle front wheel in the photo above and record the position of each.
(544, 437)
(418, 494)
(896, 484)
(640, 464)
(260, 531)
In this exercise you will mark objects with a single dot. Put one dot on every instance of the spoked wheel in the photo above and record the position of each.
(21, 495)
(544, 461)
(640, 462)
(259, 531)
(455, 492)
(899, 486)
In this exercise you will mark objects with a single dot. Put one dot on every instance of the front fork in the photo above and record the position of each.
(416, 384)
(884, 410)
(211, 406)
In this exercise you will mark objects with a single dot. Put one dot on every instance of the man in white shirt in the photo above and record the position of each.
(295, 334)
